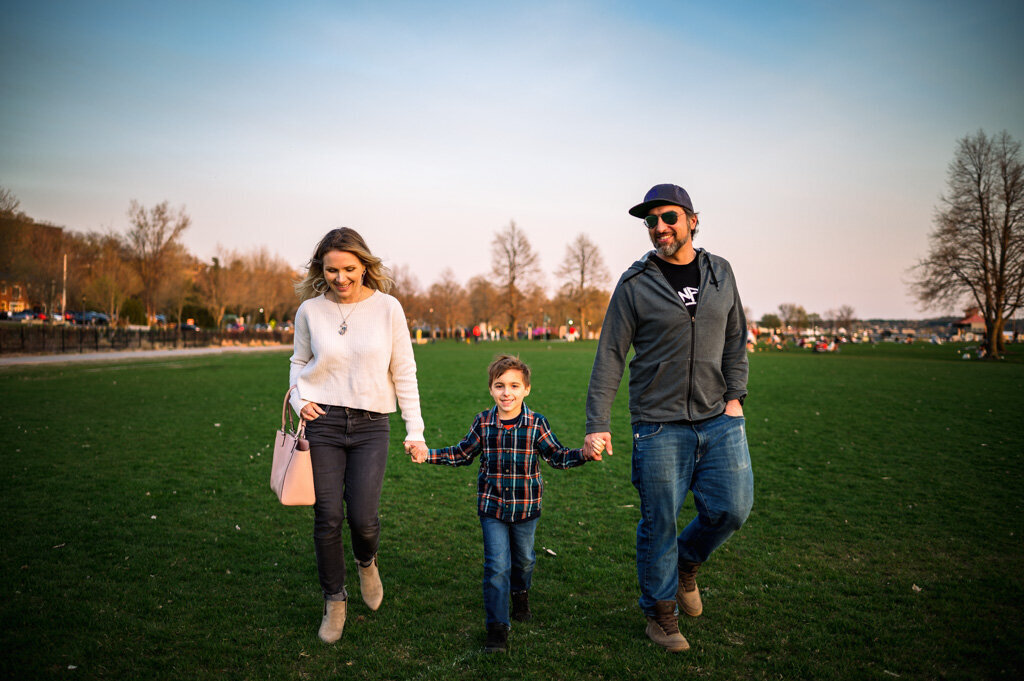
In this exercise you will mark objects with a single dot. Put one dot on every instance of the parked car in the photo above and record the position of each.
(95, 319)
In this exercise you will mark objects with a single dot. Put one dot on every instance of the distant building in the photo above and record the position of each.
(12, 294)
(30, 263)
(972, 323)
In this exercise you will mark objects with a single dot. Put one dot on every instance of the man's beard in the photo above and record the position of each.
(669, 249)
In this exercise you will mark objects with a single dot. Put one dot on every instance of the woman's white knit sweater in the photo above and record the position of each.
(366, 368)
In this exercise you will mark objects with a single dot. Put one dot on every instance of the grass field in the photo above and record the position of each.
(141, 540)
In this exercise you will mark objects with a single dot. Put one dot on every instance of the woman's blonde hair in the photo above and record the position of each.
(313, 284)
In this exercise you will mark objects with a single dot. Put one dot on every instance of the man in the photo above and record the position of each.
(680, 310)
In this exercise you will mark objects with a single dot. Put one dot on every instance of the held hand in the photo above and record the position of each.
(311, 411)
(734, 408)
(595, 443)
(417, 450)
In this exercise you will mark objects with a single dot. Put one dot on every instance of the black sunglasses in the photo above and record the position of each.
(670, 217)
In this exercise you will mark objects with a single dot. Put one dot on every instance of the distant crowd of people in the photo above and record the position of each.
(774, 341)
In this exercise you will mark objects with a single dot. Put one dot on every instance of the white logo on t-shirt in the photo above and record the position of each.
(689, 296)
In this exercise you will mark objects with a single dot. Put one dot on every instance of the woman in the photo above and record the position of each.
(352, 358)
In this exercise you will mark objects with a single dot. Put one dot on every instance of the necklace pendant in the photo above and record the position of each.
(343, 328)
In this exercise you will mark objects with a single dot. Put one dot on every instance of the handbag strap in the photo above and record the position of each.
(287, 414)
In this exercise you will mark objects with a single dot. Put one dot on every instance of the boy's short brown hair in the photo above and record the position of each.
(503, 363)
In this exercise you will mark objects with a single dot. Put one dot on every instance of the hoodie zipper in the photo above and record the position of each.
(689, 386)
(693, 341)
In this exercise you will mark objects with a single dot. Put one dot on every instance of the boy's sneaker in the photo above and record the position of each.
(663, 628)
(497, 638)
(521, 606)
(687, 594)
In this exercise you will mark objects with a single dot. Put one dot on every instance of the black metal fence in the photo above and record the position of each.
(45, 339)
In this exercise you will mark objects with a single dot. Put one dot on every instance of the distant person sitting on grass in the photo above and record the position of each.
(508, 437)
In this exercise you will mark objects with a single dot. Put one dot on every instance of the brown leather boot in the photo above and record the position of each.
(333, 622)
(369, 584)
(687, 594)
(663, 628)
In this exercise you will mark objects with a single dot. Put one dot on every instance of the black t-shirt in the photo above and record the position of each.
(685, 279)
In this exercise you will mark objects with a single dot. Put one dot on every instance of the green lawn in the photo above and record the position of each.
(141, 539)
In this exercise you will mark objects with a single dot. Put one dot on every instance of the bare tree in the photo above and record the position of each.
(482, 299)
(9, 203)
(447, 299)
(234, 279)
(178, 284)
(153, 235)
(535, 302)
(845, 317)
(268, 292)
(222, 284)
(976, 251)
(830, 317)
(513, 261)
(104, 275)
(583, 271)
(210, 283)
(793, 315)
(407, 291)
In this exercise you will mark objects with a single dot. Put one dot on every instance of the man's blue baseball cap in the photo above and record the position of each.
(662, 195)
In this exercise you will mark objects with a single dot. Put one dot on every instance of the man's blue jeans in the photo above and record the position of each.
(669, 459)
(508, 563)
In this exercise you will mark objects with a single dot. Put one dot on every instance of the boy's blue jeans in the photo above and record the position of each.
(508, 563)
(670, 459)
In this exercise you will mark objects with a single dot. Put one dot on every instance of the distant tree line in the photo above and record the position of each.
(146, 271)
(514, 297)
(795, 317)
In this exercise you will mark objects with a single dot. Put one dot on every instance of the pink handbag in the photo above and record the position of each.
(291, 476)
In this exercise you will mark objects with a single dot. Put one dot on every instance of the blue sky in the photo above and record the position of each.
(813, 136)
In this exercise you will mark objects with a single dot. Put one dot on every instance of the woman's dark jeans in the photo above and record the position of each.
(349, 450)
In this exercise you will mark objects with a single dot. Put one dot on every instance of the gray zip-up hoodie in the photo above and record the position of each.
(685, 368)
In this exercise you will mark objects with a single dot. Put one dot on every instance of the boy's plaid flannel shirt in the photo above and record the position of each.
(509, 486)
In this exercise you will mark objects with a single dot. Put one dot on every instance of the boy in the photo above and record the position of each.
(508, 437)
